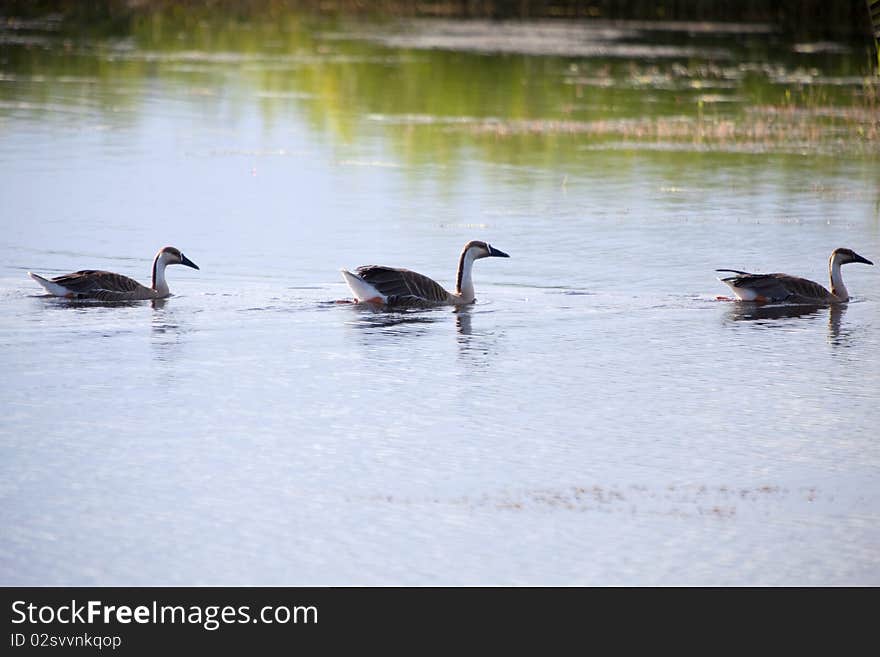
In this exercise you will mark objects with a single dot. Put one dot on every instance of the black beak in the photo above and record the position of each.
(496, 253)
(858, 258)
(186, 261)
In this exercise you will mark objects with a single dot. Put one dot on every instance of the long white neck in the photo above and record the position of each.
(159, 283)
(464, 286)
(838, 289)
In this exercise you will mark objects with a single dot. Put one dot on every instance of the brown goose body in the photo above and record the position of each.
(402, 287)
(779, 287)
(396, 287)
(107, 286)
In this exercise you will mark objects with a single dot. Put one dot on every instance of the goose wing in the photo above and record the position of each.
(104, 286)
(778, 287)
(402, 286)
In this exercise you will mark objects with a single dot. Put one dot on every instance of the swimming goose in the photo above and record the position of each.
(782, 287)
(402, 287)
(107, 286)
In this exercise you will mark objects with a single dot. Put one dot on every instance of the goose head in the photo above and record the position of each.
(846, 256)
(172, 256)
(477, 250)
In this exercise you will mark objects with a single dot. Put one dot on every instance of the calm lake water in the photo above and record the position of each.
(597, 418)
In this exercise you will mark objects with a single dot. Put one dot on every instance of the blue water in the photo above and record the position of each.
(597, 417)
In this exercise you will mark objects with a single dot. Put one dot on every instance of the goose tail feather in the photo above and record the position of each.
(362, 290)
(50, 287)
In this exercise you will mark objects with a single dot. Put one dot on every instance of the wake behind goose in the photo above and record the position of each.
(391, 286)
(108, 286)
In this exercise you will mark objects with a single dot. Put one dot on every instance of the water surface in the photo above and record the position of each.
(597, 417)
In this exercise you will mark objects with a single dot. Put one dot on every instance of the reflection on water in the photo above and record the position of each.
(768, 316)
(644, 83)
(463, 321)
(394, 322)
(764, 314)
(475, 348)
(167, 332)
(84, 305)
(837, 336)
